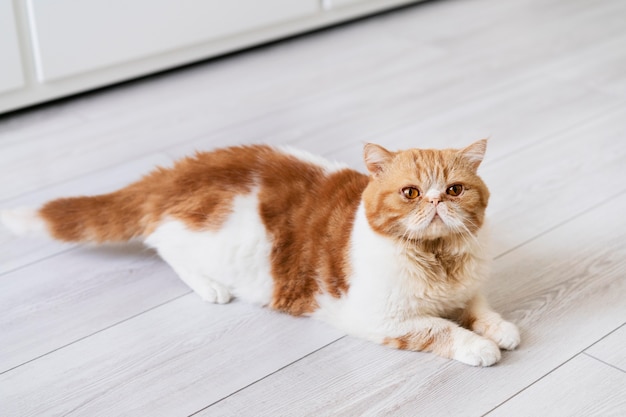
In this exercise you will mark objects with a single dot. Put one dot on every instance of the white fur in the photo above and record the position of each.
(361, 311)
(234, 260)
(325, 164)
(23, 222)
(433, 193)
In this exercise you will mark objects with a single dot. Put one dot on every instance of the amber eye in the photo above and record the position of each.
(411, 192)
(454, 190)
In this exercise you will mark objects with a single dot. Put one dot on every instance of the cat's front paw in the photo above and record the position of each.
(477, 351)
(504, 333)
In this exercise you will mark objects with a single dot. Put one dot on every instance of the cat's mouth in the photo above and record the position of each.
(440, 223)
(433, 225)
(436, 217)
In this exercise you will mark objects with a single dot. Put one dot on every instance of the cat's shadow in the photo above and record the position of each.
(136, 250)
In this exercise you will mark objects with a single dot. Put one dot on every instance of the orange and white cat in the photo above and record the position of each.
(397, 256)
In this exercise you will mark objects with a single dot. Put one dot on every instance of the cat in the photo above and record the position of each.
(397, 256)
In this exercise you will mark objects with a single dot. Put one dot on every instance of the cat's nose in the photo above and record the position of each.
(434, 196)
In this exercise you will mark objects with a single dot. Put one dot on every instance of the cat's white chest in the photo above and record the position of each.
(388, 287)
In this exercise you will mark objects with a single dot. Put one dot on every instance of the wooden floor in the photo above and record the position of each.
(112, 331)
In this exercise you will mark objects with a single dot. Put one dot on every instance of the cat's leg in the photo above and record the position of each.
(481, 319)
(186, 252)
(205, 287)
(444, 338)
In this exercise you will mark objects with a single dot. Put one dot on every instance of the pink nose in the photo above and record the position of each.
(435, 200)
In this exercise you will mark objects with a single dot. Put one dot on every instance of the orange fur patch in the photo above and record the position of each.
(428, 340)
(309, 215)
(197, 190)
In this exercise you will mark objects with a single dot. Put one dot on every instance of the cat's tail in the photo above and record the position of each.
(114, 217)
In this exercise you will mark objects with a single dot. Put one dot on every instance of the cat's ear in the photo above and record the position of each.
(376, 157)
(475, 153)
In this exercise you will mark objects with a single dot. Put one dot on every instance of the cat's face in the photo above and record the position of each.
(425, 194)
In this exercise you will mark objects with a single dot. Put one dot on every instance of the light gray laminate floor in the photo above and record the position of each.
(112, 331)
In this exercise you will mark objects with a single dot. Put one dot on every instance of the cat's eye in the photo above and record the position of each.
(411, 192)
(454, 190)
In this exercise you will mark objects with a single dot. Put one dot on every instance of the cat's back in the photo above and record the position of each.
(199, 190)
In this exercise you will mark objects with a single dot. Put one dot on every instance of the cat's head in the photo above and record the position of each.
(425, 194)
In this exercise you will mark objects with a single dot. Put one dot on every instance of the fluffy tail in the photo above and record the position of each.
(115, 217)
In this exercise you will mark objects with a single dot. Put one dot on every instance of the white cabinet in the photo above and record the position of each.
(75, 36)
(54, 48)
(11, 74)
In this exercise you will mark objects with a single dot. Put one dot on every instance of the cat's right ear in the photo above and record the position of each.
(376, 157)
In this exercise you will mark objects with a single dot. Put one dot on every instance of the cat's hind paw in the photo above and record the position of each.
(206, 288)
(214, 293)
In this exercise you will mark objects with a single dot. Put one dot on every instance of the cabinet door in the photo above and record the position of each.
(75, 36)
(11, 75)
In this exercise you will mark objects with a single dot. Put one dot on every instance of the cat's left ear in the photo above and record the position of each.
(475, 153)
(376, 158)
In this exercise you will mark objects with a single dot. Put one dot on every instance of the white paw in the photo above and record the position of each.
(505, 334)
(477, 351)
(214, 293)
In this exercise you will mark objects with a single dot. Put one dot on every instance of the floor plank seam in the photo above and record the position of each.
(317, 96)
(605, 336)
(557, 135)
(267, 376)
(102, 170)
(582, 352)
(604, 362)
(45, 258)
(460, 104)
(562, 223)
(533, 383)
(80, 339)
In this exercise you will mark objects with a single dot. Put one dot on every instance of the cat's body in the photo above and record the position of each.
(397, 257)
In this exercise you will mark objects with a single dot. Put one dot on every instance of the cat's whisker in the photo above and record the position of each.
(467, 235)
